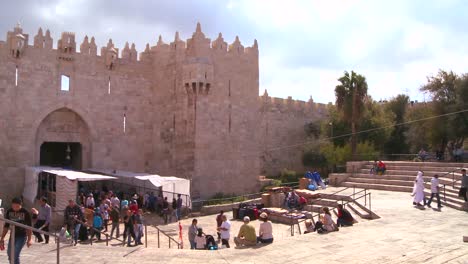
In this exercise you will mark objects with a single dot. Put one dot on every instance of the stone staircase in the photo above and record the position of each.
(332, 200)
(400, 177)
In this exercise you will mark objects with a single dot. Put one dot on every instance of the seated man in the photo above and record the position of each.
(422, 155)
(247, 235)
(302, 202)
(344, 217)
(381, 167)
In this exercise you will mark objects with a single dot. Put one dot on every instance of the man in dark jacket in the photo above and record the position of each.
(73, 219)
(344, 217)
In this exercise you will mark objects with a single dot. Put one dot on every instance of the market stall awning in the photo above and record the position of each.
(167, 183)
(78, 175)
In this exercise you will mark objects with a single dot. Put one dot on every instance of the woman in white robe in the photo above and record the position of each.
(418, 190)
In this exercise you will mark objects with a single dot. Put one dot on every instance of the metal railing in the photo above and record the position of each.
(13, 225)
(239, 198)
(367, 200)
(170, 238)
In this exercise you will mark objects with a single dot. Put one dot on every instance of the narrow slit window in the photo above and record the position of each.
(16, 76)
(229, 88)
(65, 83)
(229, 122)
(108, 86)
(125, 122)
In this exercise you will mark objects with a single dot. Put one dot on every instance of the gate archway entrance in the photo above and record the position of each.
(61, 154)
(63, 140)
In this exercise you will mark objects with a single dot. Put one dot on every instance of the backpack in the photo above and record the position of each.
(211, 243)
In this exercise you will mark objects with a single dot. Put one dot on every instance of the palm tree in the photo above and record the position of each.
(350, 96)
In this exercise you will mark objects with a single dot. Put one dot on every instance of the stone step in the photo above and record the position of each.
(380, 181)
(408, 173)
(456, 204)
(324, 202)
(395, 188)
(418, 168)
(358, 211)
(447, 181)
(400, 177)
(423, 164)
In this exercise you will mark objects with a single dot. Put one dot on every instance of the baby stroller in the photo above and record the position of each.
(211, 243)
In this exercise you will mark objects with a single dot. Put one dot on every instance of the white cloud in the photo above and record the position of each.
(305, 45)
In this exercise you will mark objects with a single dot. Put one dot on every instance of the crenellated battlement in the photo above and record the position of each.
(275, 104)
(197, 46)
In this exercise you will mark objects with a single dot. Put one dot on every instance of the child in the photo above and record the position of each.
(200, 240)
(435, 191)
(105, 216)
(97, 224)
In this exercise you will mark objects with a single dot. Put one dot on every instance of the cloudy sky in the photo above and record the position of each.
(304, 45)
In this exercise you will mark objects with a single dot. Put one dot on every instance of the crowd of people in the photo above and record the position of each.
(92, 218)
(95, 212)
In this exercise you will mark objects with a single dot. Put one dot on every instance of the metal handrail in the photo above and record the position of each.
(12, 236)
(168, 236)
(453, 176)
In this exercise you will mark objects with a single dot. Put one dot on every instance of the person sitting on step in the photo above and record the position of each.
(344, 217)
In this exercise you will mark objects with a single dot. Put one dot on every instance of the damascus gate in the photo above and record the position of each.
(189, 109)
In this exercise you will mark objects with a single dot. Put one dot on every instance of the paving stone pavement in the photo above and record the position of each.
(403, 234)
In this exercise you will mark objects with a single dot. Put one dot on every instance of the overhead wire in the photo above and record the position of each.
(366, 130)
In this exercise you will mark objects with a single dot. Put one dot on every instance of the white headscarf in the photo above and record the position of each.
(420, 178)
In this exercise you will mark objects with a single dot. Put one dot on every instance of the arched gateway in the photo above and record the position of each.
(63, 140)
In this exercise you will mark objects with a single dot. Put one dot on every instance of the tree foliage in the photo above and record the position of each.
(350, 95)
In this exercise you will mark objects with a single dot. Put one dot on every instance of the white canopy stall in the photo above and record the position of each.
(57, 184)
(170, 186)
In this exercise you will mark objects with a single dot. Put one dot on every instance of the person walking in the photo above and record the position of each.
(73, 218)
(219, 221)
(22, 236)
(418, 190)
(129, 233)
(179, 207)
(165, 210)
(115, 218)
(225, 230)
(192, 233)
(138, 222)
(43, 220)
(464, 185)
(435, 190)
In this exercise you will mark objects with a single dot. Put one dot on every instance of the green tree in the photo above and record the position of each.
(397, 141)
(350, 95)
(449, 93)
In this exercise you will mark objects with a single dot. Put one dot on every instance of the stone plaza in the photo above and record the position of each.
(403, 234)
